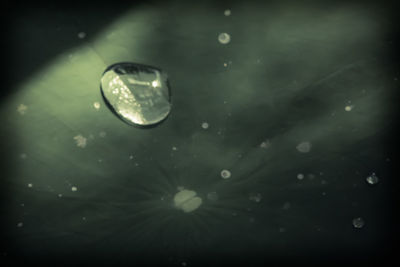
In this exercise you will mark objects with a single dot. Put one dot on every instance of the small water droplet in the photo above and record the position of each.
(227, 12)
(187, 200)
(81, 35)
(60, 195)
(205, 125)
(372, 179)
(137, 94)
(213, 196)
(22, 109)
(224, 38)
(96, 105)
(74, 188)
(225, 174)
(348, 107)
(286, 206)
(80, 141)
(20, 224)
(30, 185)
(358, 222)
(180, 188)
(256, 197)
(300, 176)
(304, 147)
(265, 144)
(174, 148)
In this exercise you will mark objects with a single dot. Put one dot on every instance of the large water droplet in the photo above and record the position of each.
(137, 94)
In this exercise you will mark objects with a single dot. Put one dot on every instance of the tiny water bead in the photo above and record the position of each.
(96, 105)
(372, 179)
(348, 108)
(213, 196)
(224, 38)
(300, 176)
(81, 35)
(256, 197)
(138, 94)
(205, 125)
(74, 189)
(358, 222)
(225, 174)
(265, 144)
(227, 12)
(22, 109)
(80, 141)
(304, 147)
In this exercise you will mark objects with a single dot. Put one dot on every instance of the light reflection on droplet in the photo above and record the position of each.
(300, 176)
(74, 189)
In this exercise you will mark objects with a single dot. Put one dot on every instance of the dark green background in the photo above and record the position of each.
(292, 69)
